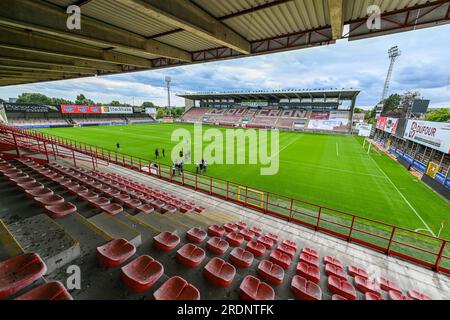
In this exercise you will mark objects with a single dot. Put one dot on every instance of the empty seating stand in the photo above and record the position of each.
(115, 252)
(216, 231)
(49, 291)
(141, 273)
(388, 285)
(234, 239)
(252, 288)
(166, 241)
(365, 285)
(190, 255)
(258, 249)
(219, 272)
(20, 271)
(280, 258)
(355, 271)
(247, 234)
(176, 288)
(416, 295)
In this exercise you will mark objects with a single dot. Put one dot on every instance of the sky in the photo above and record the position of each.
(424, 66)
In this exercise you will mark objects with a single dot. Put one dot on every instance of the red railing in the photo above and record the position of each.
(423, 249)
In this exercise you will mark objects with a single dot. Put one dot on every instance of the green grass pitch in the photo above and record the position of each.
(330, 170)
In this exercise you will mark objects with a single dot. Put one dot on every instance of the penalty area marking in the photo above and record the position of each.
(404, 198)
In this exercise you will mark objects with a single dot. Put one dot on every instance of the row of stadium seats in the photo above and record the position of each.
(232, 256)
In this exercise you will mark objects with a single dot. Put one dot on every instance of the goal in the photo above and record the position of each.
(251, 196)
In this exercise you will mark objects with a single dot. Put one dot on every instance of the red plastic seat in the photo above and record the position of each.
(112, 208)
(230, 227)
(190, 255)
(355, 271)
(282, 259)
(168, 209)
(330, 259)
(141, 273)
(310, 252)
(20, 271)
(416, 295)
(271, 272)
(252, 288)
(54, 290)
(305, 289)
(49, 200)
(272, 236)
(99, 202)
(266, 241)
(60, 210)
(290, 251)
(196, 235)
(122, 197)
(241, 257)
(115, 252)
(241, 225)
(337, 297)
(186, 209)
(87, 195)
(256, 231)
(176, 288)
(29, 185)
(132, 203)
(76, 190)
(373, 296)
(39, 192)
(258, 249)
(364, 285)
(395, 295)
(217, 245)
(22, 180)
(166, 241)
(331, 269)
(291, 244)
(247, 234)
(234, 239)
(216, 231)
(146, 208)
(304, 257)
(199, 209)
(219, 272)
(308, 271)
(388, 285)
(341, 287)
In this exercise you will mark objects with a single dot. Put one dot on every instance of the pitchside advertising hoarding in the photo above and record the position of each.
(82, 109)
(435, 135)
(329, 120)
(387, 124)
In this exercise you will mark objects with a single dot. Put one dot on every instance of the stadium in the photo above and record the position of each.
(101, 202)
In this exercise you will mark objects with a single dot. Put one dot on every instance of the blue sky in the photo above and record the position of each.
(424, 66)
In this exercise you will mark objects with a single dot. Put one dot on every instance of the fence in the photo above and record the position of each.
(422, 249)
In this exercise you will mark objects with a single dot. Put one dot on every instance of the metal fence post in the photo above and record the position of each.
(439, 257)
(390, 240)
(318, 218)
(351, 229)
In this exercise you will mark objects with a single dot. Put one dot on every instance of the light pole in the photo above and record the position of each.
(394, 53)
(168, 79)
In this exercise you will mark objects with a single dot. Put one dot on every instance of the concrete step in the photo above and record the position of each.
(9, 246)
(116, 228)
(42, 235)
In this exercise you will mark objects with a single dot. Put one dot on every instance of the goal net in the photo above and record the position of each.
(251, 196)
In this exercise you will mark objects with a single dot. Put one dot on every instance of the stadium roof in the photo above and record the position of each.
(343, 94)
(130, 35)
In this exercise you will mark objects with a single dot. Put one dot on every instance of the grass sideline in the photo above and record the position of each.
(330, 170)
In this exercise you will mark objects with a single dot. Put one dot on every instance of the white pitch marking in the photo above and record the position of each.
(337, 149)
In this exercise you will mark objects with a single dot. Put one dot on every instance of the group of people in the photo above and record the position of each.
(157, 153)
(201, 167)
(178, 165)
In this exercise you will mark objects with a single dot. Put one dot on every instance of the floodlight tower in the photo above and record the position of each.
(394, 53)
(168, 79)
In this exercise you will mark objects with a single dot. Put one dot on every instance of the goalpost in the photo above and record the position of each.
(253, 197)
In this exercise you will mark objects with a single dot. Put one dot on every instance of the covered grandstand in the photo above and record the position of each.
(135, 231)
(303, 110)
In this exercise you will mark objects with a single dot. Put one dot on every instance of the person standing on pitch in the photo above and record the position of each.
(204, 166)
(196, 168)
(164, 153)
(156, 152)
(118, 146)
(181, 153)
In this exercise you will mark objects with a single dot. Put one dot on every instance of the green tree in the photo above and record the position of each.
(438, 115)
(81, 99)
(1, 100)
(392, 103)
(148, 104)
(37, 98)
(115, 103)
(358, 110)
(160, 113)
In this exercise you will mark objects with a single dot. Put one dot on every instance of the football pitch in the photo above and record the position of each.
(329, 170)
